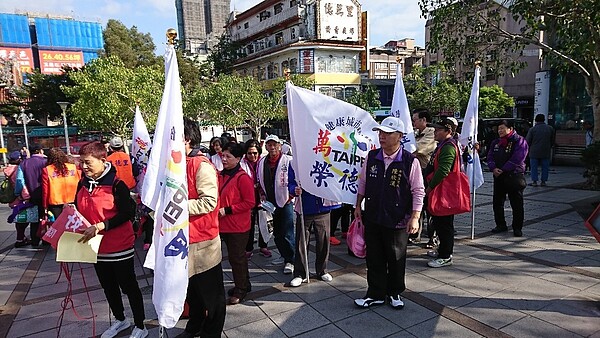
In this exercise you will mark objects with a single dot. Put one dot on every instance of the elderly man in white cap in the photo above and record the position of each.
(272, 173)
(391, 185)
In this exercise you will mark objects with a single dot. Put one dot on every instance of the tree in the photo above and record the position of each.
(223, 56)
(566, 31)
(494, 102)
(432, 88)
(105, 93)
(133, 47)
(43, 91)
(367, 98)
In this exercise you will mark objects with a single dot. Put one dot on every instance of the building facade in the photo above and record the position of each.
(322, 39)
(384, 60)
(201, 23)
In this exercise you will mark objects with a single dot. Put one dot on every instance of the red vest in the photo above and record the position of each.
(100, 206)
(122, 162)
(202, 227)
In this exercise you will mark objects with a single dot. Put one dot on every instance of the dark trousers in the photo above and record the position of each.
(116, 276)
(283, 231)
(148, 228)
(444, 226)
(206, 299)
(386, 260)
(20, 227)
(320, 224)
(253, 227)
(343, 214)
(515, 195)
(56, 210)
(236, 253)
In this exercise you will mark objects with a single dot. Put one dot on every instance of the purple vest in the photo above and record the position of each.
(32, 170)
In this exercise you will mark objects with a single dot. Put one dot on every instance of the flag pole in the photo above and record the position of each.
(287, 73)
(472, 178)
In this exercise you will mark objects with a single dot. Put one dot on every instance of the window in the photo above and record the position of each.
(250, 48)
(293, 32)
(325, 91)
(293, 3)
(278, 8)
(279, 38)
(294, 65)
(246, 25)
(264, 15)
(270, 74)
(285, 65)
(349, 91)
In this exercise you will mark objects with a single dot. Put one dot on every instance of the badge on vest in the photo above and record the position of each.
(373, 171)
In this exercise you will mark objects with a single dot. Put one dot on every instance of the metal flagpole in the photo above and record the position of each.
(303, 237)
(473, 200)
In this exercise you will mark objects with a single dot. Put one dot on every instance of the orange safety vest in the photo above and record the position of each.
(62, 189)
(122, 163)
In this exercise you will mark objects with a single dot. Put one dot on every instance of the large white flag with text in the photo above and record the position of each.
(330, 139)
(400, 110)
(468, 136)
(165, 191)
(140, 146)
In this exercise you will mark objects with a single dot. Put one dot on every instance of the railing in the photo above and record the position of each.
(267, 23)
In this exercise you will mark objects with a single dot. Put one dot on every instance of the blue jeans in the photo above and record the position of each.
(283, 231)
(545, 162)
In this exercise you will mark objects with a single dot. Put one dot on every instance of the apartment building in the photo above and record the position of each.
(384, 60)
(201, 23)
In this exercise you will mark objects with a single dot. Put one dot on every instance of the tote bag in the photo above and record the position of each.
(453, 195)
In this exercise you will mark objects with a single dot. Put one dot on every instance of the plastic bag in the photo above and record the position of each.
(265, 224)
(356, 239)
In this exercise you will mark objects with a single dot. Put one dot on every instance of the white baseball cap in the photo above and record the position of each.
(391, 124)
(273, 137)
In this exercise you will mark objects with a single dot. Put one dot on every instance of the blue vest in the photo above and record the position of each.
(388, 198)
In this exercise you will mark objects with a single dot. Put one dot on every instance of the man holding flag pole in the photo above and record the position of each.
(468, 138)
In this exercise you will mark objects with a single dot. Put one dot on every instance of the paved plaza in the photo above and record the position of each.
(544, 284)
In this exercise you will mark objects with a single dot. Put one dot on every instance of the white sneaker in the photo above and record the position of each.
(115, 328)
(277, 261)
(297, 281)
(138, 333)
(288, 269)
(440, 262)
(326, 277)
(396, 302)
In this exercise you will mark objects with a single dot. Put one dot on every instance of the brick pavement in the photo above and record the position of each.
(544, 284)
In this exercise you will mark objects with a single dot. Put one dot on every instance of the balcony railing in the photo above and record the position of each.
(267, 23)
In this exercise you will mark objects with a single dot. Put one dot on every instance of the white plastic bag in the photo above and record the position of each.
(265, 224)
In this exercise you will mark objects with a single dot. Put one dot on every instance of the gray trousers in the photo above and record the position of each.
(321, 225)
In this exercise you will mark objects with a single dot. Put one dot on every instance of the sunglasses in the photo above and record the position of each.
(253, 153)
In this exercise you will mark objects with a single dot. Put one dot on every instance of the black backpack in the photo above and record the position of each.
(7, 191)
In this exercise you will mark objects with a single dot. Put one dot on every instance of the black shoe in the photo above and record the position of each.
(518, 232)
(22, 243)
(498, 229)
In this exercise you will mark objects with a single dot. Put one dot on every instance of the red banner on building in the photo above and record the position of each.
(23, 56)
(52, 61)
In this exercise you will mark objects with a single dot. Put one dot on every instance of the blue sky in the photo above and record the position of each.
(155, 16)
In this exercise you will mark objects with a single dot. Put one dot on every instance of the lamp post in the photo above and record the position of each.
(2, 139)
(63, 106)
(25, 119)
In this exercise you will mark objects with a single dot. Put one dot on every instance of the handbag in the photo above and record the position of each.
(356, 239)
(453, 195)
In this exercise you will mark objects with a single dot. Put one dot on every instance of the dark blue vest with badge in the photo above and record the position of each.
(388, 198)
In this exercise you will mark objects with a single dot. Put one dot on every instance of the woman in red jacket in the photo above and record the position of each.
(99, 199)
(236, 196)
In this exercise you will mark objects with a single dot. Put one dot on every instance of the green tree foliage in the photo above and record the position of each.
(431, 88)
(367, 98)
(494, 102)
(223, 56)
(133, 47)
(43, 91)
(468, 30)
(106, 91)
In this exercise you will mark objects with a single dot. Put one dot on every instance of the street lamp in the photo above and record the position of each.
(2, 139)
(25, 119)
(63, 106)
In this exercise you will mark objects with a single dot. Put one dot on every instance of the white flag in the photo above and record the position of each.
(468, 136)
(165, 192)
(331, 139)
(400, 110)
(141, 145)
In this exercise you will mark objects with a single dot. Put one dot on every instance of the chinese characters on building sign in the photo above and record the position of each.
(339, 20)
(51, 62)
(23, 56)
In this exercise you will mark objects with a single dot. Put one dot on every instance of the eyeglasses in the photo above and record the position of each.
(253, 153)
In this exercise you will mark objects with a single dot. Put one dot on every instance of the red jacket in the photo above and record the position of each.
(99, 206)
(236, 195)
(202, 227)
